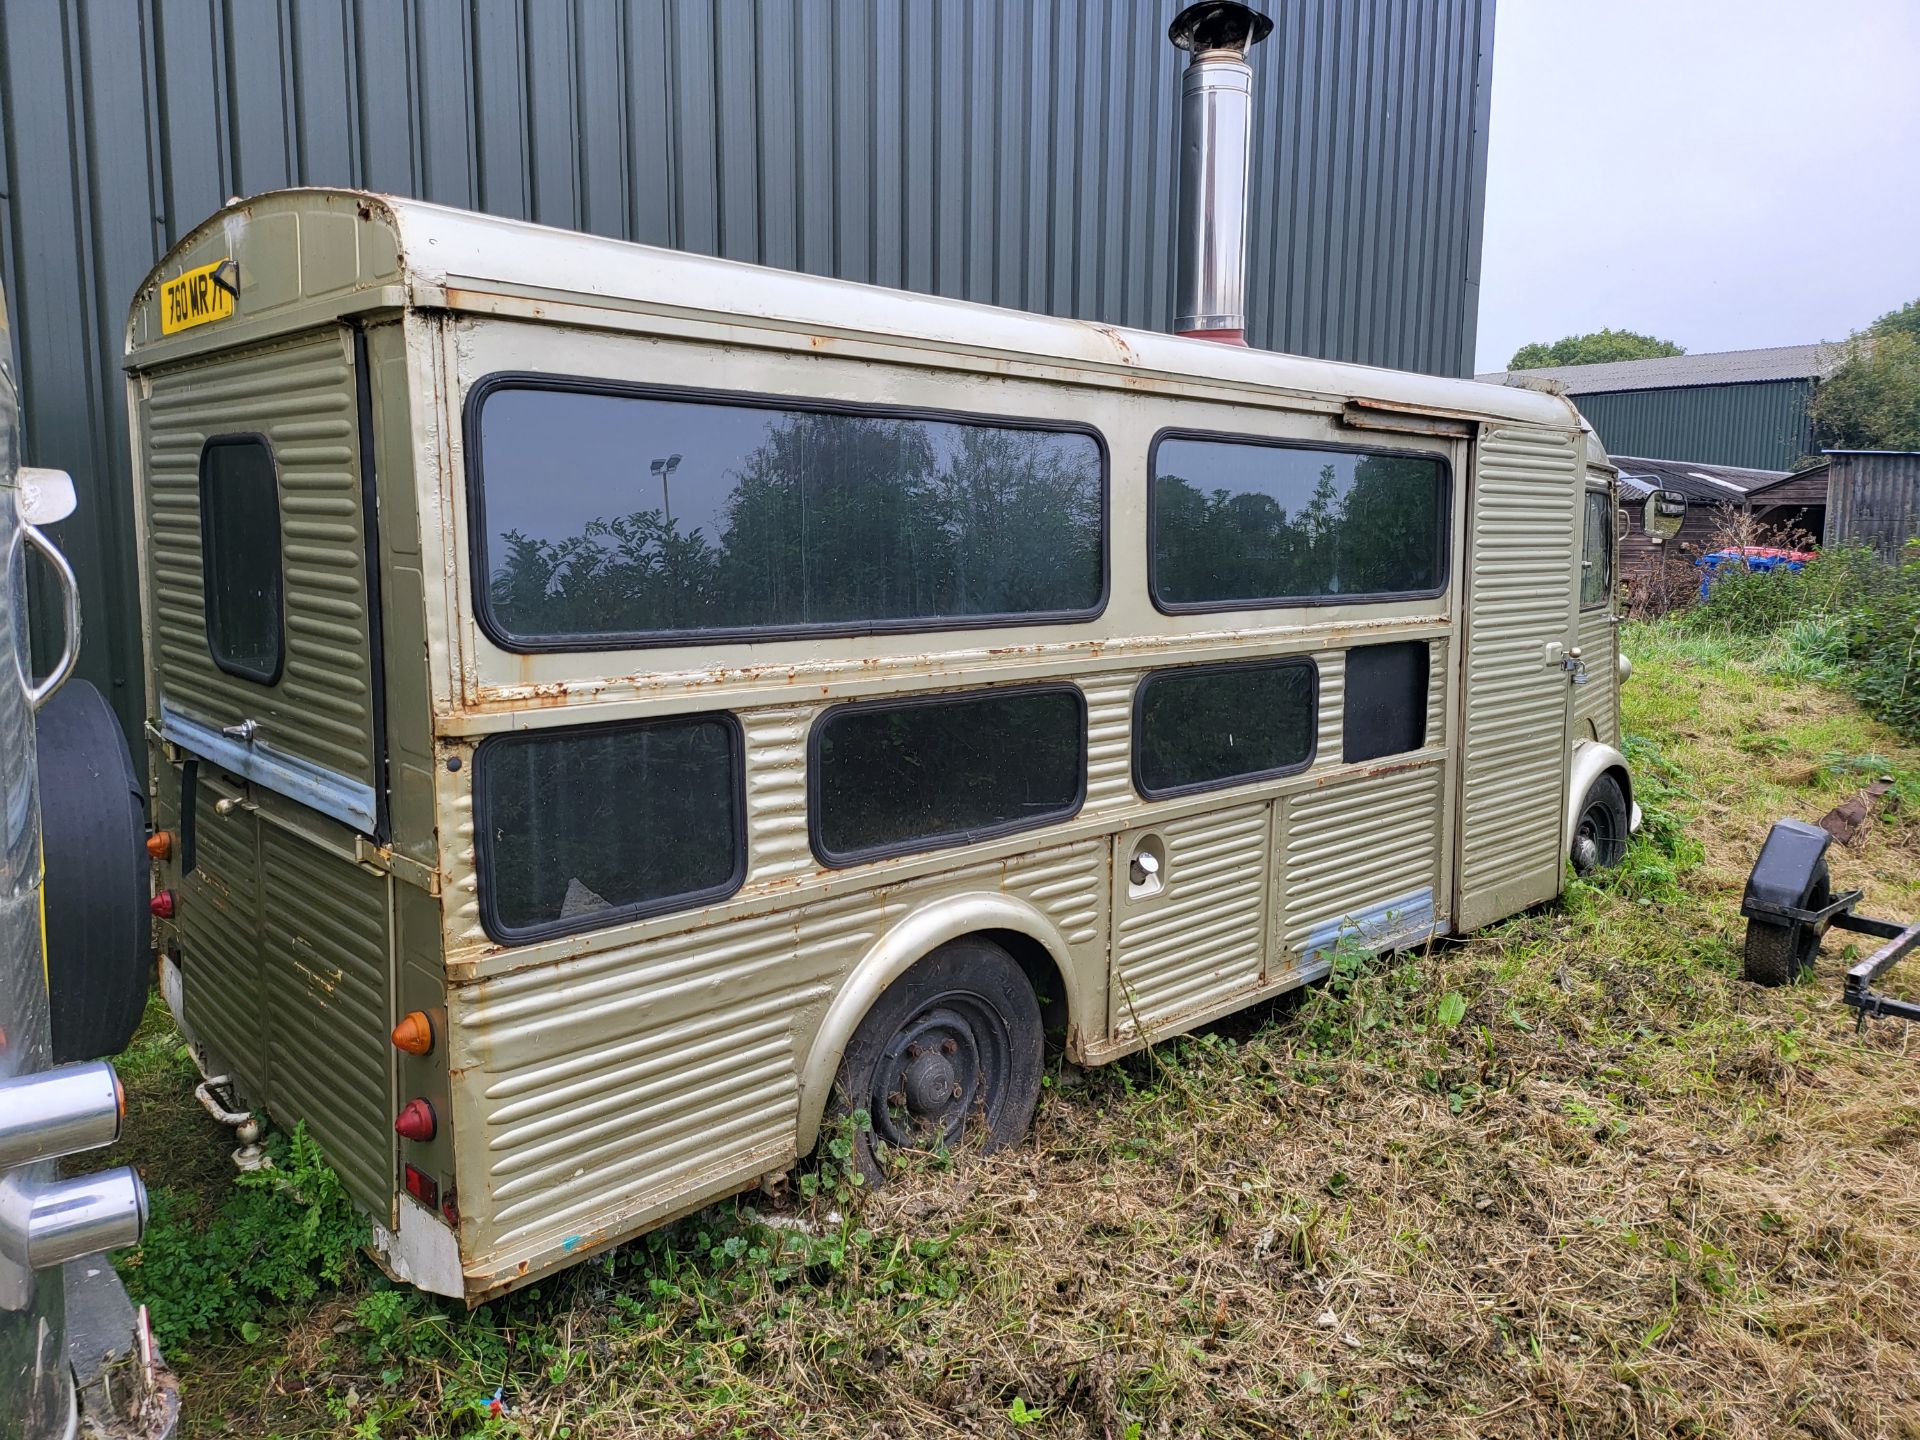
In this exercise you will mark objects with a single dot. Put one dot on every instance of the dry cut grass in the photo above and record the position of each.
(1570, 1177)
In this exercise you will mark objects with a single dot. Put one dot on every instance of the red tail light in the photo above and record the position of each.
(423, 1187)
(162, 905)
(415, 1121)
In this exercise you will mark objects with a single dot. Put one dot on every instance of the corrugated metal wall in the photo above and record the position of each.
(1874, 499)
(1762, 424)
(1016, 151)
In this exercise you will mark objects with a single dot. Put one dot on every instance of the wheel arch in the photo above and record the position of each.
(1011, 922)
(1591, 760)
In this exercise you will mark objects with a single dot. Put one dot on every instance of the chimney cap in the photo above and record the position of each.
(1219, 25)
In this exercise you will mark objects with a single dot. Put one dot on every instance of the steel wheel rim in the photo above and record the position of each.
(951, 1061)
(1599, 843)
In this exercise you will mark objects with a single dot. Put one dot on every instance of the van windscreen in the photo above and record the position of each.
(609, 516)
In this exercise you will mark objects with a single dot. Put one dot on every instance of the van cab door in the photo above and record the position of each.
(263, 604)
(1522, 584)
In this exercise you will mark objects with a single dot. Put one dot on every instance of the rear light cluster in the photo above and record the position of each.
(160, 844)
(416, 1120)
(162, 905)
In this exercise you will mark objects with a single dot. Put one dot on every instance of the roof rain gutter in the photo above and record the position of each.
(1216, 139)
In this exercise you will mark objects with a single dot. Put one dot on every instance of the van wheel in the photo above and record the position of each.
(1600, 828)
(951, 1051)
(93, 830)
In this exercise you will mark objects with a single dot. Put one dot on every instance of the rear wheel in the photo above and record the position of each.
(1601, 827)
(952, 1051)
(1780, 953)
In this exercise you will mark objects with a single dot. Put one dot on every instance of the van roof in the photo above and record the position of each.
(442, 257)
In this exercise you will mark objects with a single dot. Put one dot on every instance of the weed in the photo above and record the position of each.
(281, 1235)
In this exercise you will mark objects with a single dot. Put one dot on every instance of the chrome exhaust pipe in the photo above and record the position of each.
(1216, 157)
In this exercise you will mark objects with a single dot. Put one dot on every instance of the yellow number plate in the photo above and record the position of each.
(197, 298)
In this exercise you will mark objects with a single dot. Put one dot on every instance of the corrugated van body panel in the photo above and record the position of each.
(286, 957)
(1521, 569)
(1204, 935)
(327, 943)
(219, 912)
(299, 395)
(611, 1086)
(1361, 858)
(1594, 710)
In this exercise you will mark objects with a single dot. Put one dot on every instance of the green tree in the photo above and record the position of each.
(1871, 401)
(1595, 349)
(1904, 321)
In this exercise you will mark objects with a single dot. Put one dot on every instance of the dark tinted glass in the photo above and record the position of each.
(916, 775)
(583, 828)
(240, 556)
(1596, 558)
(619, 515)
(1386, 700)
(1241, 523)
(1213, 725)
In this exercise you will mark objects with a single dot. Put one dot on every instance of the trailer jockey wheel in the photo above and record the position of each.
(1790, 876)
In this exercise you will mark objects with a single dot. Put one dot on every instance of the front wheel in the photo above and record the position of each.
(953, 1049)
(1601, 827)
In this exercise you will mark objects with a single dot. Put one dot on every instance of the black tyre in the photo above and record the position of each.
(93, 829)
(1781, 954)
(951, 1052)
(1601, 827)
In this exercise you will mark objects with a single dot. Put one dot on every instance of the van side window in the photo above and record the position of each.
(240, 557)
(613, 516)
(1211, 725)
(888, 777)
(591, 826)
(1238, 524)
(1385, 700)
(1596, 554)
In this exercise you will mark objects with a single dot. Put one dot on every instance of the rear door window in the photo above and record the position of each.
(240, 557)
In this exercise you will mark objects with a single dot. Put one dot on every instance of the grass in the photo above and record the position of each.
(1571, 1176)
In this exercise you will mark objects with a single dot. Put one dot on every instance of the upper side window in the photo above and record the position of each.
(585, 827)
(611, 516)
(240, 556)
(1210, 725)
(891, 776)
(1596, 552)
(1244, 523)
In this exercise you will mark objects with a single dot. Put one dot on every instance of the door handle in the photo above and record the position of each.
(1575, 667)
(243, 732)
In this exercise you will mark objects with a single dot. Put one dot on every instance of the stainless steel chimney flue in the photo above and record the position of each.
(1216, 138)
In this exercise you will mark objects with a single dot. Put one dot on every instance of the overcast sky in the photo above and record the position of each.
(1720, 173)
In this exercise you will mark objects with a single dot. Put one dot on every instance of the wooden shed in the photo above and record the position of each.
(1872, 498)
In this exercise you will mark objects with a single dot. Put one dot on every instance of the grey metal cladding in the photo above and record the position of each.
(1014, 151)
(1761, 425)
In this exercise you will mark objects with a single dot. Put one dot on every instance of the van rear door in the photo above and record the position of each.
(263, 604)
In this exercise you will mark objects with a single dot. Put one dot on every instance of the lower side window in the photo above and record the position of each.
(1386, 700)
(1212, 725)
(583, 828)
(896, 776)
